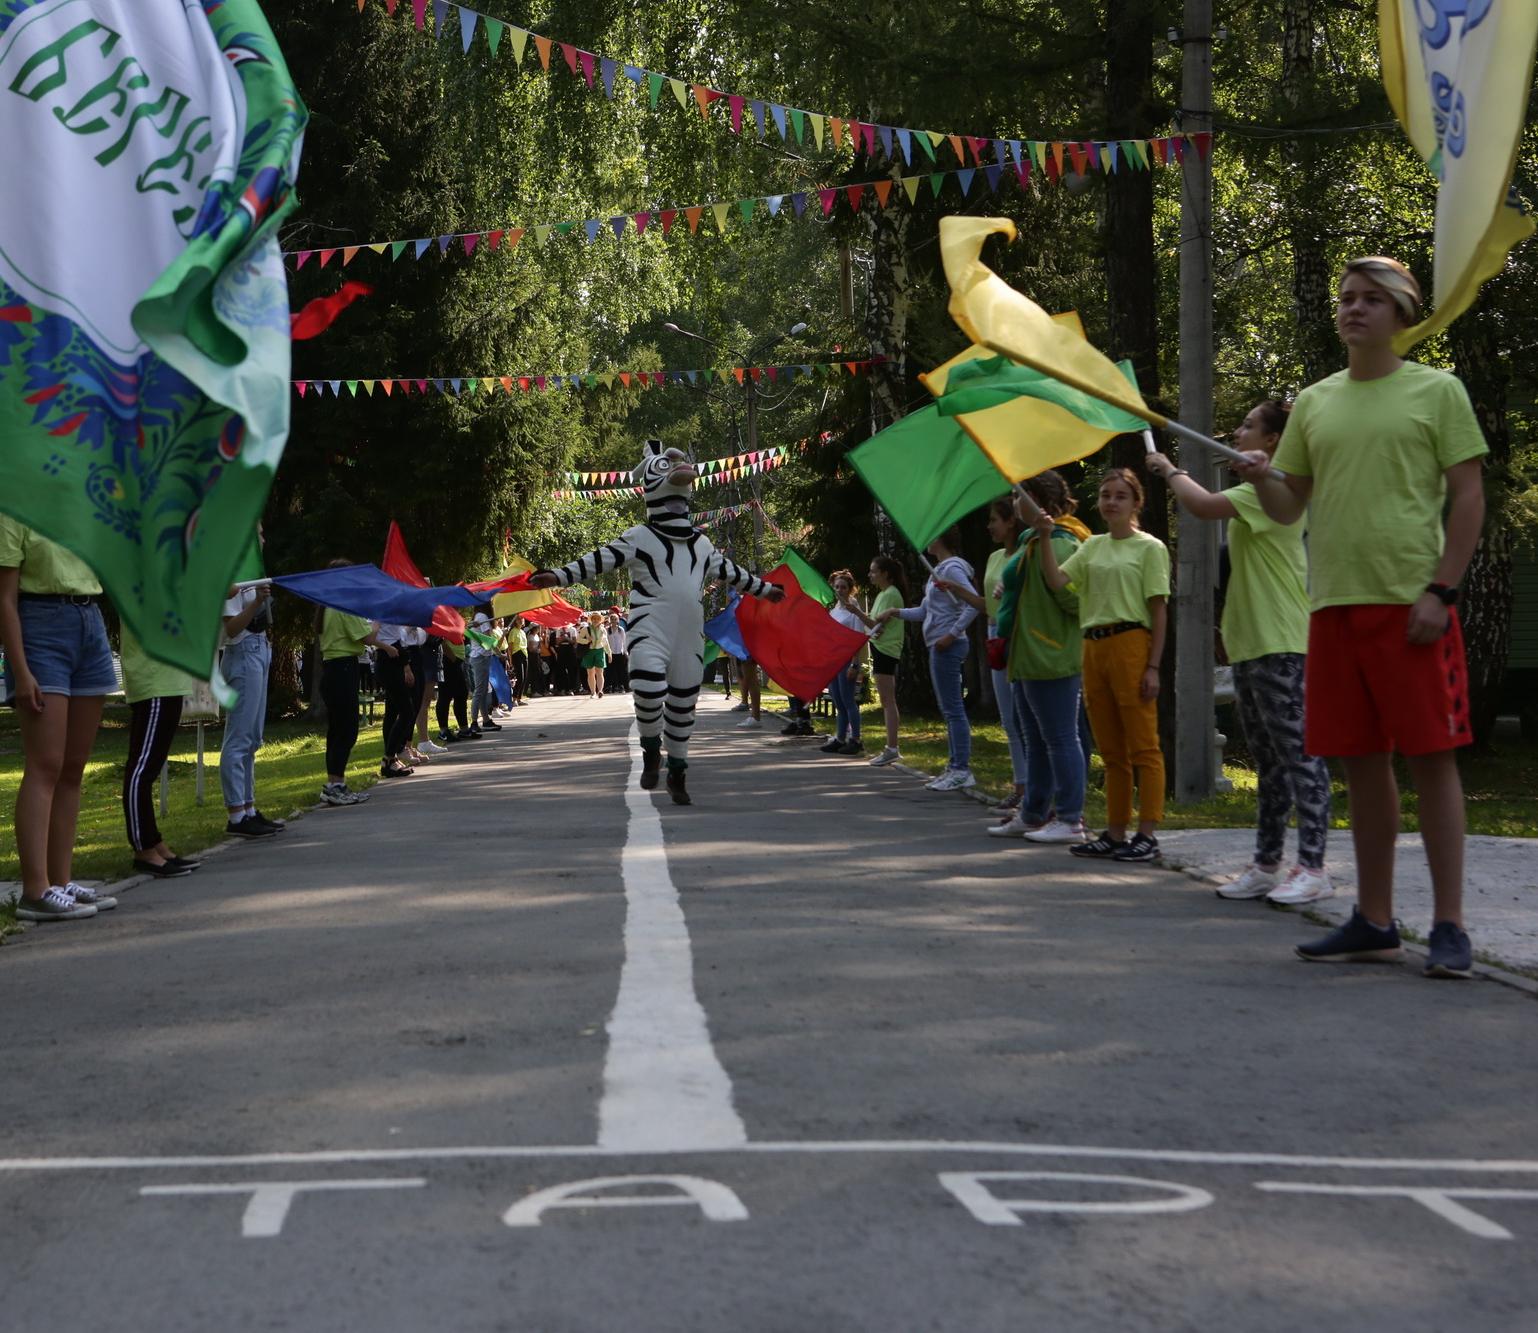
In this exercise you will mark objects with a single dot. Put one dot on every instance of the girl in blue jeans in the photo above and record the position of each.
(945, 618)
(844, 688)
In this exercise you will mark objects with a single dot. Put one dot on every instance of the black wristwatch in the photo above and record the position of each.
(1443, 592)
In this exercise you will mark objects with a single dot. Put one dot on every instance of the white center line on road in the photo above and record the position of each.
(663, 1088)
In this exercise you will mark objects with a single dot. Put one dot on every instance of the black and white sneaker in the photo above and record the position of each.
(1140, 847)
(1102, 847)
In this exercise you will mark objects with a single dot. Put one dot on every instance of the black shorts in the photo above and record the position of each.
(881, 664)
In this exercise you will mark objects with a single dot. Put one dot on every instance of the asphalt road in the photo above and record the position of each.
(874, 1071)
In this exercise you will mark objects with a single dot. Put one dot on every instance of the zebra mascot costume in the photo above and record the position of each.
(670, 562)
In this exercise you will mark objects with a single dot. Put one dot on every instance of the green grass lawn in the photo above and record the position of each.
(289, 773)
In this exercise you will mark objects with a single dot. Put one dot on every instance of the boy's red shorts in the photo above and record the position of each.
(1369, 690)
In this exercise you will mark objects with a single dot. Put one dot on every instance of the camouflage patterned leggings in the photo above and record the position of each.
(1270, 696)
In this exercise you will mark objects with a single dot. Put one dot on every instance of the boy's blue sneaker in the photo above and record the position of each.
(1358, 941)
(1450, 954)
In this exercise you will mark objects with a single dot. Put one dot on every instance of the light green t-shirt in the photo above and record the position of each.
(1114, 579)
(46, 567)
(890, 639)
(145, 678)
(1266, 609)
(1377, 451)
(342, 635)
(517, 640)
(993, 575)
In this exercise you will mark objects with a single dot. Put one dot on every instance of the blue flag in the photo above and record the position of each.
(723, 630)
(367, 591)
(500, 685)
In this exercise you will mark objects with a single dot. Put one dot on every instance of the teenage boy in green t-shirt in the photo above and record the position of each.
(1375, 453)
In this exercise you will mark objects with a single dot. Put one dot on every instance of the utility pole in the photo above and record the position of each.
(758, 501)
(1197, 552)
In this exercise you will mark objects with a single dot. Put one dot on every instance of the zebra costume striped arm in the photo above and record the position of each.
(735, 576)
(604, 560)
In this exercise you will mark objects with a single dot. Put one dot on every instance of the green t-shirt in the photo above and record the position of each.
(46, 567)
(1377, 451)
(145, 678)
(342, 635)
(890, 639)
(1266, 610)
(517, 640)
(993, 578)
(1114, 579)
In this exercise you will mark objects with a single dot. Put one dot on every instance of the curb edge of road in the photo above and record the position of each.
(1489, 971)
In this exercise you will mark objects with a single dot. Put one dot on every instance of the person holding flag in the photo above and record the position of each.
(1374, 454)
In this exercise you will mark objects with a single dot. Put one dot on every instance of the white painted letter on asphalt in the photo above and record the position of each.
(979, 1200)
(1443, 1202)
(717, 1202)
(270, 1199)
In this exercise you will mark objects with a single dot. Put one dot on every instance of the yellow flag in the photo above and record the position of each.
(991, 312)
(1027, 435)
(1458, 79)
(512, 603)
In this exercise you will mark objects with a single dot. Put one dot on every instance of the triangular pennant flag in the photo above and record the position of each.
(470, 238)
(798, 124)
(325, 257)
(301, 385)
(542, 45)
(910, 186)
(882, 189)
(440, 16)
(778, 114)
(467, 19)
(641, 219)
(734, 105)
(737, 373)
(624, 378)
(585, 59)
(1039, 152)
(693, 214)
(993, 171)
(976, 145)
(336, 388)
(957, 147)
(854, 193)
(618, 223)
(668, 214)
(905, 143)
(541, 235)
(755, 373)
(817, 124)
(455, 385)
(929, 141)
(520, 44)
(1107, 155)
(438, 385)
(1000, 151)
(378, 247)
(397, 248)
(494, 30)
(347, 254)
(838, 131)
(703, 97)
(569, 55)
(352, 387)
(506, 381)
(489, 384)
(720, 211)
(386, 385)
(679, 91)
(635, 74)
(421, 244)
(745, 207)
(539, 381)
(757, 108)
(443, 244)
(798, 202)
(828, 196)
(608, 69)
(418, 9)
(772, 203)
(936, 180)
(654, 84)
(885, 133)
(1204, 139)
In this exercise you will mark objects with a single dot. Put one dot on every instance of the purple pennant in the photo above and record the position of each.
(302, 258)
(1000, 151)
(635, 74)
(618, 223)
(885, 131)
(758, 116)
(467, 18)
(421, 244)
(778, 112)
(591, 227)
(607, 69)
(993, 171)
(585, 59)
(336, 388)
(798, 202)
(964, 179)
(905, 142)
(443, 244)
(440, 16)
(438, 385)
(418, 10)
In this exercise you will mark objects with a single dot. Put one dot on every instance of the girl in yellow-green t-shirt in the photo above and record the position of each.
(1265, 630)
(1122, 578)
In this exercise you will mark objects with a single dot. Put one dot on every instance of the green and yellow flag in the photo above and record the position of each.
(1458, 76)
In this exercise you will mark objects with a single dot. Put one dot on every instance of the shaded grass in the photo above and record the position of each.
(1499, 786)
(290, 768)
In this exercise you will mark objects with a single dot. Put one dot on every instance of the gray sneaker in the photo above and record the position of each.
(55, 905)
(88, 897)
(1450, 954)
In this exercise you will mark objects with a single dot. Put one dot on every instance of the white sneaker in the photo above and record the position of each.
(935, 781)
(1302, 886)
(88, 897)
(738, 708)
(888, 755)
(957, 779)
(749, 723)
(1056, 831)
(55, 905)
(1255, 882)
(432, 747)
(1013, 827)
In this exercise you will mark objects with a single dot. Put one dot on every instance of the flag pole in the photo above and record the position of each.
(252, 583)
(1027, 502)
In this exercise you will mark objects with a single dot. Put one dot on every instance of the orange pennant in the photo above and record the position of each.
(693, 214)
(542, 45)
(507, 383)
(387, 385)
(737, 372)
(882, 189)
(624, 378)
(704, 96)
(838, 131)
(955, 142)
(347, 254)
(1057, 156)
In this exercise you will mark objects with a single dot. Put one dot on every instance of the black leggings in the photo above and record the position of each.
(339, 692)
(151, 729)
(454, 690)
(518, 675)
(400, 710)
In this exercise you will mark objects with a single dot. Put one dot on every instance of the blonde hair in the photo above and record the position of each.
(1390, 276)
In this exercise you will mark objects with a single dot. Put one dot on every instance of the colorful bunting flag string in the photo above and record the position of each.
(889, 142)
(487, 385)
(598, 482)
(762, 462)
(819, 204)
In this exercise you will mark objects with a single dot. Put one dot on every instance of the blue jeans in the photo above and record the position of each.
(843, 690)
(945, 676)
(480, 690)
(1014, 728)
(66, 649)
(245, 666)
(1058, 759)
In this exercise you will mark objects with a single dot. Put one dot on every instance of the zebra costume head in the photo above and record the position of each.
(666, 478)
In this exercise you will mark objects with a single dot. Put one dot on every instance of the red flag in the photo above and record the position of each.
(559, 612)
(320, 314)
(796, 641)
(491, 587)
(398, 564)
